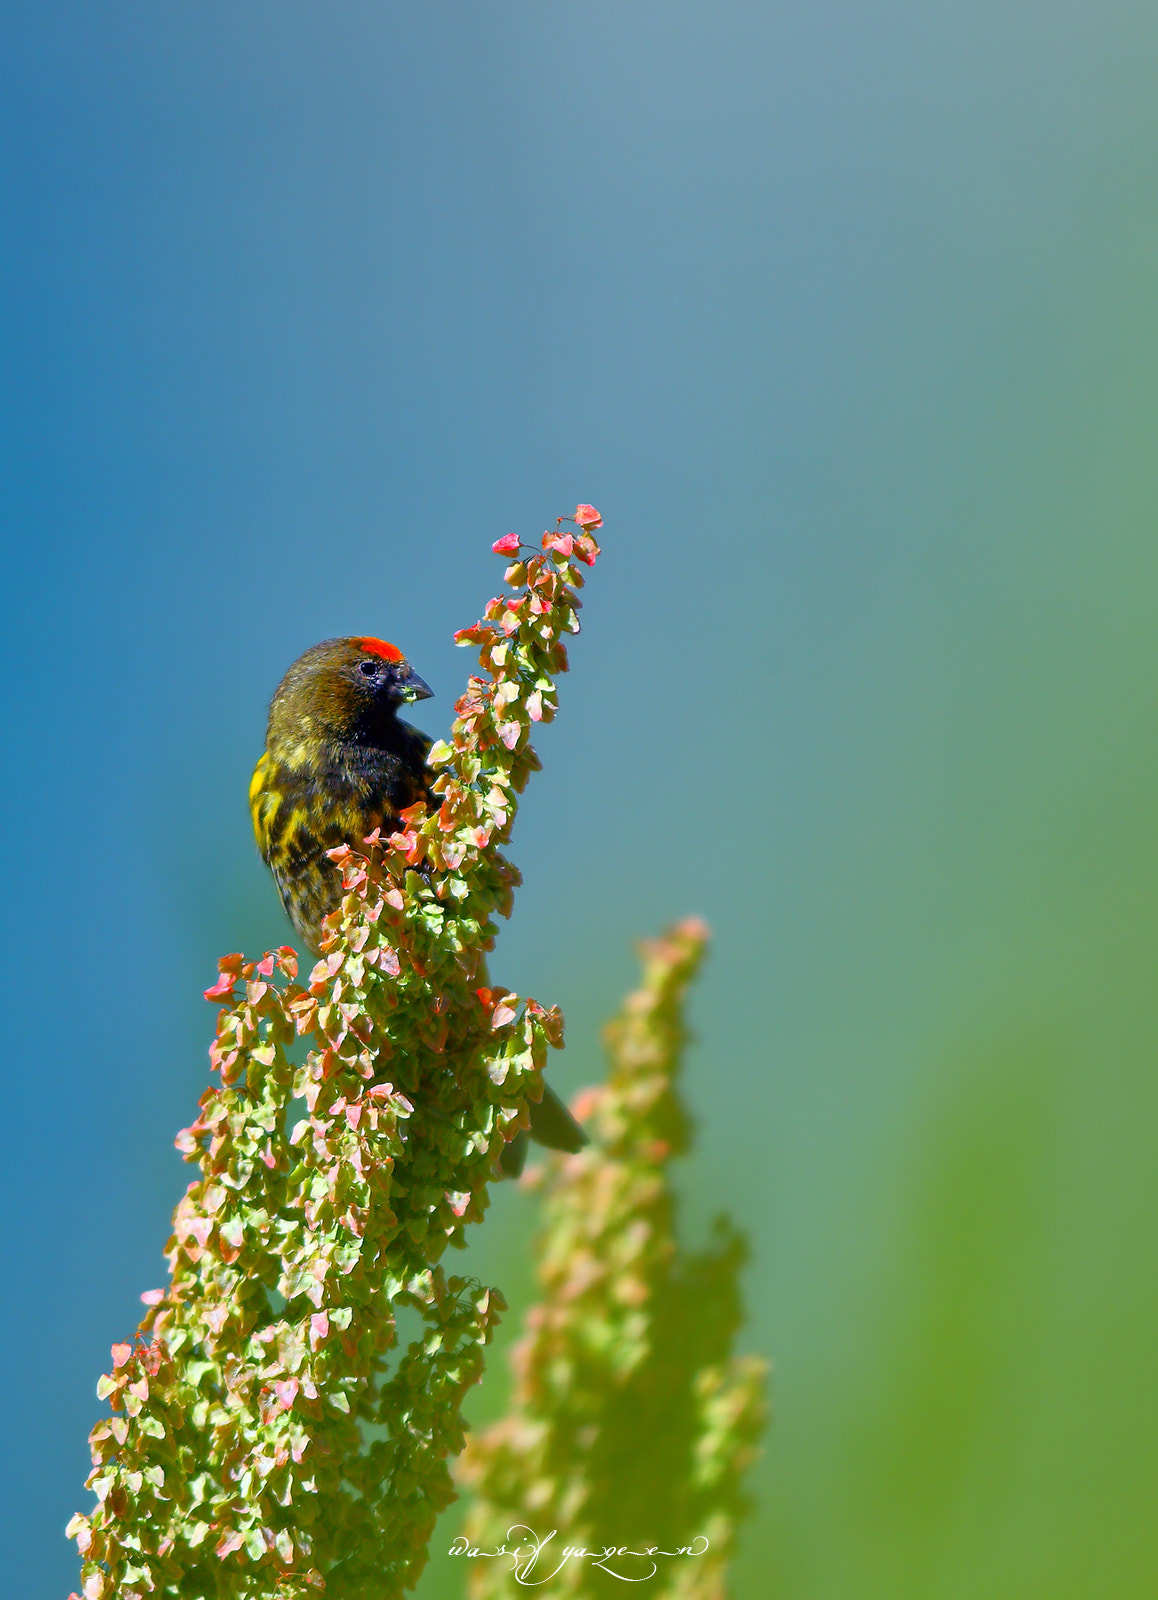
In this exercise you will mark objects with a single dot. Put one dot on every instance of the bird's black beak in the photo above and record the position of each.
(411, 687)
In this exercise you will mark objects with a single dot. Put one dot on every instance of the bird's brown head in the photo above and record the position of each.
(344, 691)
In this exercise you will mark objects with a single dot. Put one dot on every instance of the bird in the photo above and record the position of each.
(337, 764)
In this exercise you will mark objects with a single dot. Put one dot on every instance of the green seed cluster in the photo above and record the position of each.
(269, 1436)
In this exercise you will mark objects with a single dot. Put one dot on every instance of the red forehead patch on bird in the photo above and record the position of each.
(379, 647)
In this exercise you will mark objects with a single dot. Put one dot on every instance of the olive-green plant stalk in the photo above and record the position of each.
(632, 1422)
(267, 1436)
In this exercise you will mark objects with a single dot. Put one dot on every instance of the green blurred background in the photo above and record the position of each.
(844, 317)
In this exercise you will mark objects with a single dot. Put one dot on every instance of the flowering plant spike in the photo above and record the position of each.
(631, 1422)
(268, 1436)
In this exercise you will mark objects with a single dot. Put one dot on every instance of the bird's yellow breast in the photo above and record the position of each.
(264, 802)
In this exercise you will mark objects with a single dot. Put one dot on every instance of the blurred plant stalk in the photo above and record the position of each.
(631, 1422)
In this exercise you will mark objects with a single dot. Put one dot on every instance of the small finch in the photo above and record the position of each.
(338, 764)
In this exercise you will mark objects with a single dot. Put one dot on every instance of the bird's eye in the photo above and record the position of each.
(368, 669)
